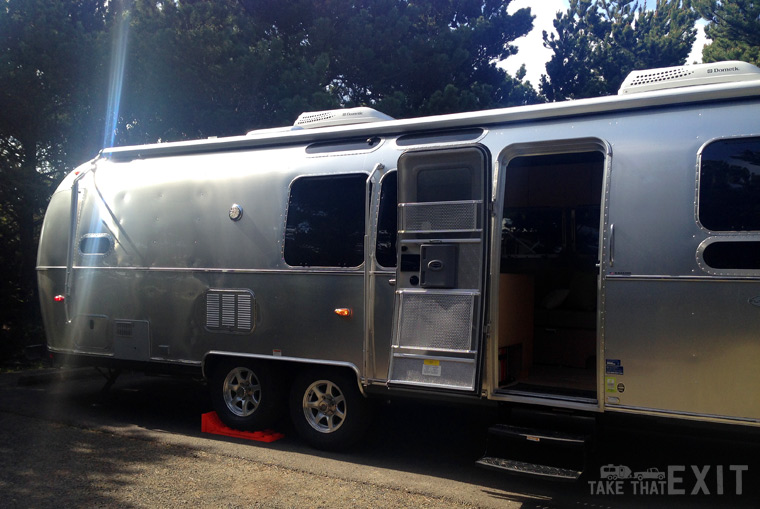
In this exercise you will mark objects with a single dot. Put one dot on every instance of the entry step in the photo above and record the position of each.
(535, 435)
(532, 469)
(536, 451)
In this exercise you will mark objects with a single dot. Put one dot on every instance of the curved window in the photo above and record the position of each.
(95, 244)
(733, 255)
(325, 223)
(729, 185)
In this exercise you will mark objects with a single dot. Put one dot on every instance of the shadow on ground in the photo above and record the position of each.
(438, 440)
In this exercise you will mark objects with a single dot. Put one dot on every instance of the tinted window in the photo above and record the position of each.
(729, 185)
(733, 255)
(444, 184)
(97, 244)
(325, 224)
(386, 222)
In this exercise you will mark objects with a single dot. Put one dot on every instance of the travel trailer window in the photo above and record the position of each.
(729, 185)
(325, 221)
(737, 255)
(386, 222)
(95, 244)
(444, 184)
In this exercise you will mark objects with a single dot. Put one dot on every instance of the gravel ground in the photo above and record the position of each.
(65, 444)
(58, 465)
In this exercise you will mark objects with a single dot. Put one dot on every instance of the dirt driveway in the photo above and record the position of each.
(63, 444)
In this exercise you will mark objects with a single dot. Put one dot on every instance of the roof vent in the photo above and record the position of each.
(688, 76)
(345, 116)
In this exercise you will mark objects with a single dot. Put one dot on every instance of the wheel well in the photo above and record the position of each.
(284, 369)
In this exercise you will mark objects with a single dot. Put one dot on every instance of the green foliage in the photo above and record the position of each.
(734, 28)
(197, 68)
(599, 42)
(47, 87)
(413, 58)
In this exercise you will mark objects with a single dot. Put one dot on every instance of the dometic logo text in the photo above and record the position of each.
(719, 70)
(675, 480)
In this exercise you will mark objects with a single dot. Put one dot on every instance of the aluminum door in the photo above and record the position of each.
(442, 219)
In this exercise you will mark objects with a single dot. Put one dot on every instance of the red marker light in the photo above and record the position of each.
(59, 298)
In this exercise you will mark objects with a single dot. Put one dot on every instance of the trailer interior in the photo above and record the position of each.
(548, 289)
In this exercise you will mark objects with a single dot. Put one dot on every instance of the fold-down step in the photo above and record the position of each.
(535, 435)
(521, 467)
(536, 452)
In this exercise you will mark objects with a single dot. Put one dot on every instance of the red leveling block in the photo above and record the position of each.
(210, 423)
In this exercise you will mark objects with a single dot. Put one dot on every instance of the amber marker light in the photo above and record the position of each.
(343, 312)
(59, 298)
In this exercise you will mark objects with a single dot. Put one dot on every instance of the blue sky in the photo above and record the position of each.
(534, 55)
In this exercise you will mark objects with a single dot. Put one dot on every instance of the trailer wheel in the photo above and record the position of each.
(245, 394)
(327, 409)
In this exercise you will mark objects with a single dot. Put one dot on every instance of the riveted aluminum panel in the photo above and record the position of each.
(684, 346)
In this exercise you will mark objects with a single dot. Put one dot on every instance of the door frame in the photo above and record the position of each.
(606, 245)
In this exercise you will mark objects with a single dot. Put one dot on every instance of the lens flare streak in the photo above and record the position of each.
(116, 79)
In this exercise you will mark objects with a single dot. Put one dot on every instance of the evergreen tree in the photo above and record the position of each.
(200, 68)
(196, 68)
(49, 80)
(76, 75)
(599, 42)
(734, 28)
(407, 58)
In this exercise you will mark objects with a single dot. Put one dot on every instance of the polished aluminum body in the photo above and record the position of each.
(171, 253)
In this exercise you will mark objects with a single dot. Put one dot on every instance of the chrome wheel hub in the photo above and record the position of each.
(324, 406)
(242, 392)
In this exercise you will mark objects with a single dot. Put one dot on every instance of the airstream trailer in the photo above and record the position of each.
(597, 256)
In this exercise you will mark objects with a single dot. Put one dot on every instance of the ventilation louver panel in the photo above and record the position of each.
(124, 329)
(230, 311)
(646, 78)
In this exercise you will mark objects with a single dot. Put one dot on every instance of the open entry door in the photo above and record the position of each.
(440, 274)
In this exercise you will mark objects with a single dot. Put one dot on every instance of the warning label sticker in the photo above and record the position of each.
(431, 367)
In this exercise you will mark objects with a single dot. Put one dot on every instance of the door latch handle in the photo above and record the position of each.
(392, 282)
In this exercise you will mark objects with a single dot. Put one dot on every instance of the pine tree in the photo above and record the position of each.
(49, 80)
(599, 42)
(734, 28)
(408, 58)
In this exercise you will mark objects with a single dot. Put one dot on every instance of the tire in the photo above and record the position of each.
(246, 395)
(327, 409)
